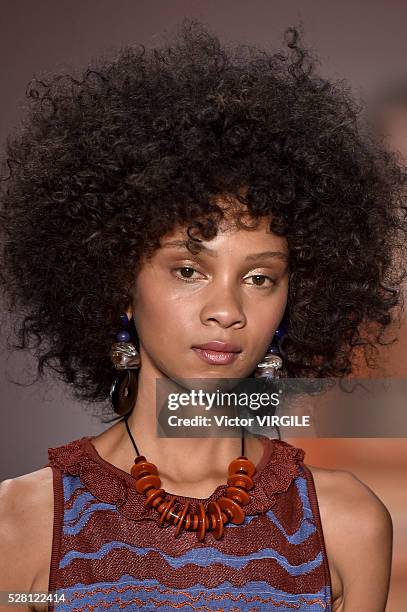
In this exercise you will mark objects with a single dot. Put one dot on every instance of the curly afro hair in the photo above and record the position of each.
(110, 161)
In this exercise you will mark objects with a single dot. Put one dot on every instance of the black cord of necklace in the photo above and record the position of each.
(136, 449)
(131, 437)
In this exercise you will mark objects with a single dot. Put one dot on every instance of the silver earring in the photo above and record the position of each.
(123, 353)
(271, 364)
(125, 356)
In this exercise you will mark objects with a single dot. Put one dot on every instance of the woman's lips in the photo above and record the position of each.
(218, 353)
(215, 357)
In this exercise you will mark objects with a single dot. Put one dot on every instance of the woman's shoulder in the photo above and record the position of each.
(344, 491)
(357, 530)
(22, 495)
(26, 529)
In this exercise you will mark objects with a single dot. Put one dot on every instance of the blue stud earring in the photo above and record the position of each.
(269, 367)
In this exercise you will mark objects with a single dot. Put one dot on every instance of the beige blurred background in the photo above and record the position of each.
(364, 42)
(379, 462)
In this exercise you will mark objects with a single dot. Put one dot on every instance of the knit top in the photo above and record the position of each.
(109, 552)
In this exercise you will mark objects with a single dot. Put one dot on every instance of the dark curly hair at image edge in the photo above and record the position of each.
(108, 162)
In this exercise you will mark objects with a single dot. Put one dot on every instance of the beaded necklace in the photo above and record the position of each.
(226, 508)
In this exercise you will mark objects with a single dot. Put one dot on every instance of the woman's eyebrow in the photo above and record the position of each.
(264, 254)
(181, 244)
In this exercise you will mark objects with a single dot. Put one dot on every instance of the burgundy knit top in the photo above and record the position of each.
(110, 553)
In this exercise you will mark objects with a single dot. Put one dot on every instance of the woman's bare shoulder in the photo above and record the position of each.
(37, 483)
(358, 535)
(342, 489)
(26, 529)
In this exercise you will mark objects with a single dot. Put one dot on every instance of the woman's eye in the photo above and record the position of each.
(186, 272)
(261, 280)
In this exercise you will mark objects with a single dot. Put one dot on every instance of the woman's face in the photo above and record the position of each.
(233, 292)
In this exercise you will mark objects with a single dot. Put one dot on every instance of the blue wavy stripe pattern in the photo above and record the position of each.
(152, 595)
(73, 514)
(70, 484)
(76, 517)
(211, 555)
(203, 557)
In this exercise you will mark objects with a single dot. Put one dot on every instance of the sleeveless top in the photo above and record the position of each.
(109, 552)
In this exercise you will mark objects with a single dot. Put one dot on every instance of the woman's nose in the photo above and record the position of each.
(224, 308)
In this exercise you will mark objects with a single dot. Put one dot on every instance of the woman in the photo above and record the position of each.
(185, 203)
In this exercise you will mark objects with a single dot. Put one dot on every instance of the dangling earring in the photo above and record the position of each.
(272, 362)
(125, 358)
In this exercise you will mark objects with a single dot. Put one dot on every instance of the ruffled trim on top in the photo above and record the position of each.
(274, 474)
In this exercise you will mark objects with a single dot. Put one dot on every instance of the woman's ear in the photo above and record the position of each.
(129, 313)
